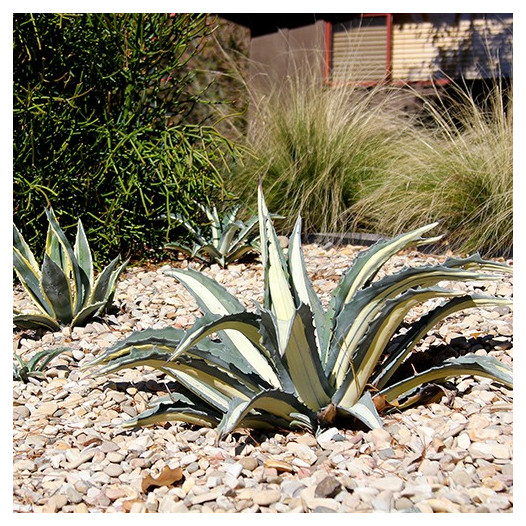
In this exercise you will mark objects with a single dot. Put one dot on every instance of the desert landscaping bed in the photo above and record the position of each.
(71, 454)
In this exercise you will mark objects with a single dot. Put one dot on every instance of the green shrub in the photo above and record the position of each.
(459, 168)
(292, 364)
(102, 126)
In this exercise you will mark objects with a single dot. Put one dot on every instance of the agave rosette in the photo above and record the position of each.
(290, 363)
(64, 290)
(224, 240)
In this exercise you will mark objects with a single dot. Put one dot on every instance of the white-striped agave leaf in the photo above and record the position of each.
(64, 290)
(223, 240)
(290, 363)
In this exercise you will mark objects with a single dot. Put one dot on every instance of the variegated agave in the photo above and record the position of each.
(292, 364)
(224, 240)
(35, 367)
(64, 291)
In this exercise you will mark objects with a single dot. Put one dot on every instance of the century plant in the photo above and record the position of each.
(36, 365)
(64, 290)
(225, 238)
(290, 363)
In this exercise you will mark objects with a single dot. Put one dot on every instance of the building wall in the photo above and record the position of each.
(438, 45)
(422, 47)
(275, 55)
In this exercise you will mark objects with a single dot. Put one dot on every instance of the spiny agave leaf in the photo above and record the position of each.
(35, 321)
(468, 365)
(214, 299)
(219, 355)
(222, 381)
(172, 411)
(420, 328)
(41, 359)
(192, 366)
(71, 267)
(181, 248)
(368, 262)
(369, 350)
(245, 324)
(304, 290)
(238, 253)
(55, 286)
(248, 229)
(23, 248)
(213, 254)
(215, 222)
(103, 286)
(302, 360)
(364, 410)
(353, 320)
(475, 261)
(275, 402)
(269, 340)
(229, 216)
(87, 312)
(209, 294)
(167, 338)
(30, 278)
(202, 386)
(115, 275)
(194, 230)
(56, 252)
(278, 296)
(83, 254)
(228, 234)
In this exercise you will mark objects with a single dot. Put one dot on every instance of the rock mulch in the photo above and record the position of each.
(72, 455)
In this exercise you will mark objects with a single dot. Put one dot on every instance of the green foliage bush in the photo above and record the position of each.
(102, 128)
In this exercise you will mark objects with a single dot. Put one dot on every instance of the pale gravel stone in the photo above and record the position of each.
(390, 483)
(266, 497)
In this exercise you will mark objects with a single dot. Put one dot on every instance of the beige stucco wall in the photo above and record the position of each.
(275, 55)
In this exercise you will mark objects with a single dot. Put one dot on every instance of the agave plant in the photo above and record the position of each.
(64, 290)
(36, 365)
(224, 240)
(292, 364)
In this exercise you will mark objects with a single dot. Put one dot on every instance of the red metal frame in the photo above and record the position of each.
(388, 61)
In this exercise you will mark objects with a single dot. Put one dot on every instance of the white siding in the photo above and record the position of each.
(359, 50)
(436, 45)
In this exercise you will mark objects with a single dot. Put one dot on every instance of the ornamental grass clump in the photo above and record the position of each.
(290, 363)
(459, 168)
(317, 146)
(64, 290)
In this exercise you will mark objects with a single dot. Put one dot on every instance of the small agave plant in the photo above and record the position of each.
(292, 364)
(35, 367)
(64, 290)
(224, 240)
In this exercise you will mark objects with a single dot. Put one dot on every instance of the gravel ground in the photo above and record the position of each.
(70, 453)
